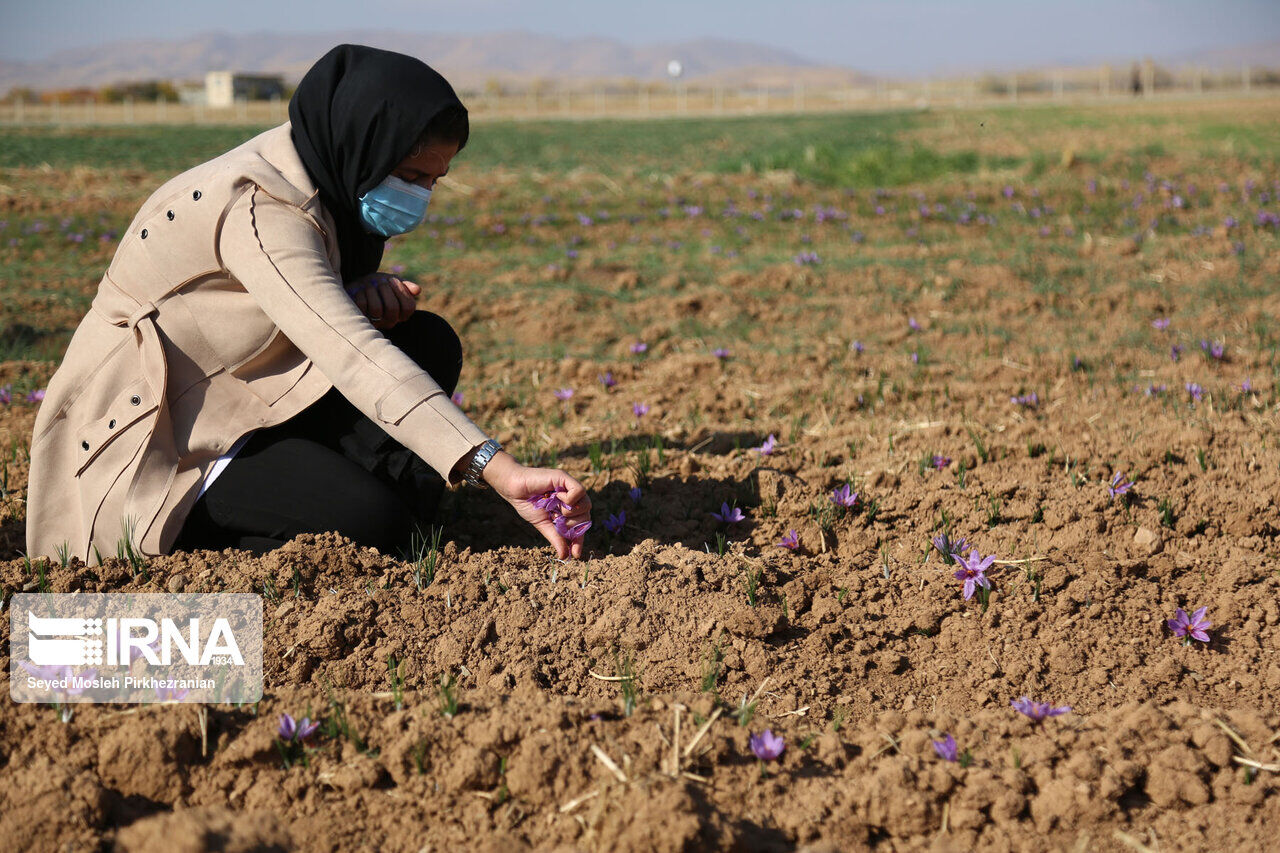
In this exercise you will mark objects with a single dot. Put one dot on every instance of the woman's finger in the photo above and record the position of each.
(377, 310)
(549, 532)
(405, 299)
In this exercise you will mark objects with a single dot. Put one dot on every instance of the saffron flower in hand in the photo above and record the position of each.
(1038, 711)
(973, 571)
(767, 746)
(767, 446)
(296, 731)
(571, 533)
(844, 496)
(640, 409)
(1190, 627)
(728, 514)
(563, 393)
(614, 523)
(947, 749)
(1118, 486)
(791, 541)
(548, 502)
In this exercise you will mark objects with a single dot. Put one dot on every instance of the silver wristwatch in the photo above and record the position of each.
(481, 459)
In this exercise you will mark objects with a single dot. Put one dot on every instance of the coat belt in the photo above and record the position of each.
(169, 317)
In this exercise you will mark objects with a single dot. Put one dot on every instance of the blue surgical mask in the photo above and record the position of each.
(394, 207)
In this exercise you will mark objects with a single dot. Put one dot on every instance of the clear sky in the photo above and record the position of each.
(880, 36)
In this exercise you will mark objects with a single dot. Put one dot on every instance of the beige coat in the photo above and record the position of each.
(222, 312)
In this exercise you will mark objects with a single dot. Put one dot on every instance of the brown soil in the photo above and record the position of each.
(858, 648)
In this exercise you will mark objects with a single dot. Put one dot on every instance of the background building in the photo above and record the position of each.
(224, 88)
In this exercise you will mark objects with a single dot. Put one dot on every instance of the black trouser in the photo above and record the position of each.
(330, 468)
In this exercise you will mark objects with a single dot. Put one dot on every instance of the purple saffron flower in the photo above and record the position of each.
(946, 748)
(1246, 386)
(1038, 711)
(457, 398)
(296, 731)
(45, 673)
(634, 494)
(973, 571)
(639, 347)
(720, 353)
(607, 380)
(1175, 352)
(6, 395)
(1195, 391)
(563, 393)
(570, 532)
(791, 541)
(1190, 627)
(767, 746)
(614, 523)
(640, 409)
(728, 514)
(940, 462)
(913, 324)
(767, 446)
(844, 496)
(548, 502)
(1118, 486)
(1027, 400)
(951, 551)
(1160, 323)
(35, 396)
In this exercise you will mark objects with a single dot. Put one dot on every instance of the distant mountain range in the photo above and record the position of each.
(509, 58)
(469, 61)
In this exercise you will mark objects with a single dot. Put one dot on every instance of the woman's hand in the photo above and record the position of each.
(518, 484)
(385, 299)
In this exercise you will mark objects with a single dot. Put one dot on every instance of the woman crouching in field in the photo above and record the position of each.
(246, 375)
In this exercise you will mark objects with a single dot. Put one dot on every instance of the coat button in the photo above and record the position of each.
(195, 196)
(112, 424)
(85, 445)
(135, 400)
(170, 215)
(144, 233)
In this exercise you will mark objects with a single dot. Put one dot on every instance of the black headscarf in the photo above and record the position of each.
(356, 114)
